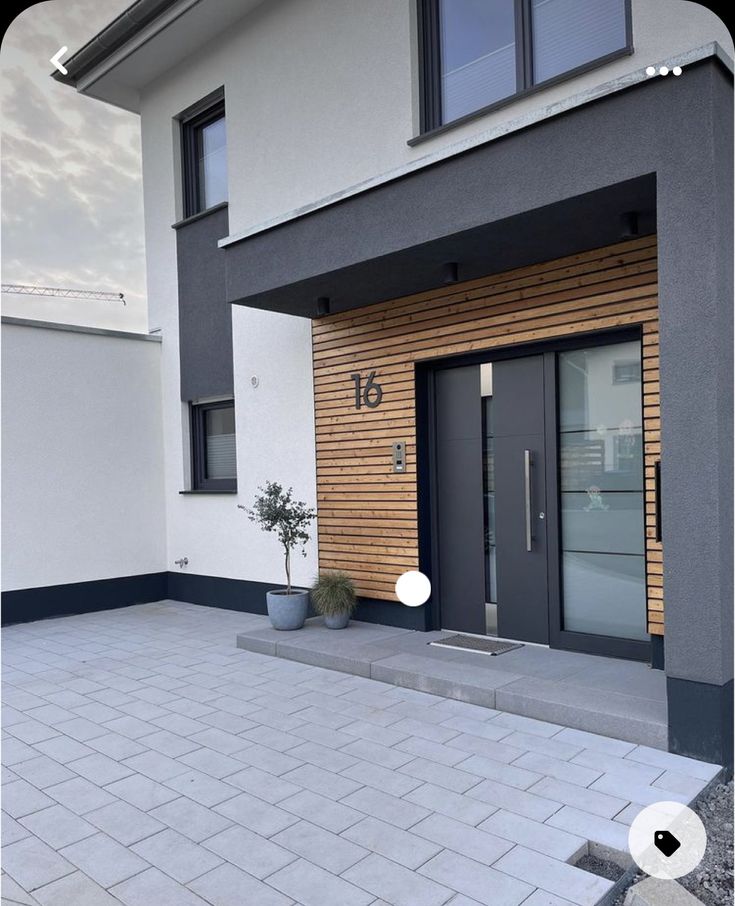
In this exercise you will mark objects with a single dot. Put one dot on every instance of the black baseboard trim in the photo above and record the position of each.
(391, 613)
(658, 661)
(26, 604)
(216, 591)
(701, 720)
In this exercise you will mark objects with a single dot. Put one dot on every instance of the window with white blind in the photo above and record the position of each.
(214, 450)
(480, 54)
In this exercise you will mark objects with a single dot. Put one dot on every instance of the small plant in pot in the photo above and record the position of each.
(275, 510)
(333, 596)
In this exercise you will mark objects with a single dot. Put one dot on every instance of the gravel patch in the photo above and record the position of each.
(602, 867)
(712, 880)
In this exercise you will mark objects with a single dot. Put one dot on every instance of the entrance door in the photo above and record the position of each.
(491, 494)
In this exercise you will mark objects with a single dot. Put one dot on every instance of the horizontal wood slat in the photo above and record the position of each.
(367, 513)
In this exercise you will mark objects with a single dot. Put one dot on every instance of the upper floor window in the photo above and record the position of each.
(204, 158)
(477, 54)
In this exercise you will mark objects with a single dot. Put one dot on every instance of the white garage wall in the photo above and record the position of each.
(82, 456)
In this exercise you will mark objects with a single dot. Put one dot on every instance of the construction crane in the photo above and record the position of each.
(23, 289)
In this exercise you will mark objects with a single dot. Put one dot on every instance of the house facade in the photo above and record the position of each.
(461, 274)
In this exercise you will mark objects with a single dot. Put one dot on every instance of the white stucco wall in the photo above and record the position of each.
(82, 464)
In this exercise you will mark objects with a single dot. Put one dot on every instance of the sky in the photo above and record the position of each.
(72, 200)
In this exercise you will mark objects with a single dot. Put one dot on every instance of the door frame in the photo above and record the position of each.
(426, 475)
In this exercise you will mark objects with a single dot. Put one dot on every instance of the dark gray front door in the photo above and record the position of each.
(491, 499)
(520, 499)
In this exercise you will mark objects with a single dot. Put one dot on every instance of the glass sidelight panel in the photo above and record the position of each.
(602, 491)
(488, 483)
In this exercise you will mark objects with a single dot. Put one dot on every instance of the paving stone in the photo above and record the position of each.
(263, 785)
(539, 837)
(657, 892)
(628, 815)
(621, 767)
(132, 727)
(15, 751)
(450, 778)
(323, 848)
(671, 781)
(104, 859)
(476, 881)
(62, 749)
(364, 750)
(81, 729)
(594, 742)
(219, 740)
(332, 816)
(31, 863)
(460, 838)
(20, 799)
(190, 818)
(432, 751)
(12, 830)
(323, 716)
(268, 760)
(640, 793)
(229, 886)
(97, 712)
(323, 756)
(167, 743)
(254, 813)
(50, 714)
(395, 884)
(527, 725)
(588, 800)
(379, 778)
(554, 747)
(569, 772)
(42, 771)
(248, 851)
(76, 889)
(670, 762)
(99, 769)
(57, 826)
(521, 802)
(201, 788)
(152, 886)
(326, 783)
(400, 846)
(310, 885)
(432, 732)
(124, 822)
(556, 877)
(141, 792)
(276, 739)
(32, 731)
(486, 748)
(471, 726)
(591, 827)
(176, 855)
(116, 746)
(463, 808)
(215, 764)
(509, 774)
(156, 766)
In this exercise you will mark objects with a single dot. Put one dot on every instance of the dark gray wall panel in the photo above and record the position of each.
(205, 317)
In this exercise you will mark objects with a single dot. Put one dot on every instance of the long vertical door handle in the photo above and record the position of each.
(527, 476)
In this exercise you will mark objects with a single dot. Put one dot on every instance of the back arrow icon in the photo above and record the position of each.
(57, 57)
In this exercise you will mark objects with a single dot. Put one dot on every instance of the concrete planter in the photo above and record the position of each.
(287, 612)
(337, 620)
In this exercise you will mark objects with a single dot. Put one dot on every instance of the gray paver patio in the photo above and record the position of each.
(148, 761)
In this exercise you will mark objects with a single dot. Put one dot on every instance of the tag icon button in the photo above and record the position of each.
(666, 842)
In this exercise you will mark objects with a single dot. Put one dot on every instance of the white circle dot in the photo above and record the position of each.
(676, 70)
(413, 588)
(650, 70)
(664, 70)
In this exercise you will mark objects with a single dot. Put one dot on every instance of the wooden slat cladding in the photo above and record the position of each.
(367, 513)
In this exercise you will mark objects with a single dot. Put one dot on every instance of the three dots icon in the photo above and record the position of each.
(663, 70)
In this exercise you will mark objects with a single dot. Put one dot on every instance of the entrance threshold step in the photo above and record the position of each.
(625, 700)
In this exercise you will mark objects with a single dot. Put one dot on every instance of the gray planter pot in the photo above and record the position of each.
(337, 620)
(287, 612)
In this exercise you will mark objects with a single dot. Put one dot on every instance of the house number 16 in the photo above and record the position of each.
(370, 395)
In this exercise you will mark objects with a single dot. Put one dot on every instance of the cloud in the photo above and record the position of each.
(72, 203)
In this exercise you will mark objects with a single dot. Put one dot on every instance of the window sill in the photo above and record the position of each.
(205, 491)
(518, 96)
(199, 215)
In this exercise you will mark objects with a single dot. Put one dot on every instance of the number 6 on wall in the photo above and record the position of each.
(370, 395)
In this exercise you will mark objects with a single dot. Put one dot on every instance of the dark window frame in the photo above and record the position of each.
(429, 46)
(198, 422)
(193, 120)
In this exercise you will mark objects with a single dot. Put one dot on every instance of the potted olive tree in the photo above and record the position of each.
(333, 596)
(275, 510)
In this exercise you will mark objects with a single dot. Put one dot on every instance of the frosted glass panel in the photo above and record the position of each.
(212, 151)
(602, 499)
(570, 33)
(605, 594)
(478, 54)
(600, 522)
(220, 443)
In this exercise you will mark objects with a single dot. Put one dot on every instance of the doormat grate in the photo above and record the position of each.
(471, 643)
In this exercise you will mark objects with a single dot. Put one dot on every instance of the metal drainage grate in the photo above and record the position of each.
(472, 643)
